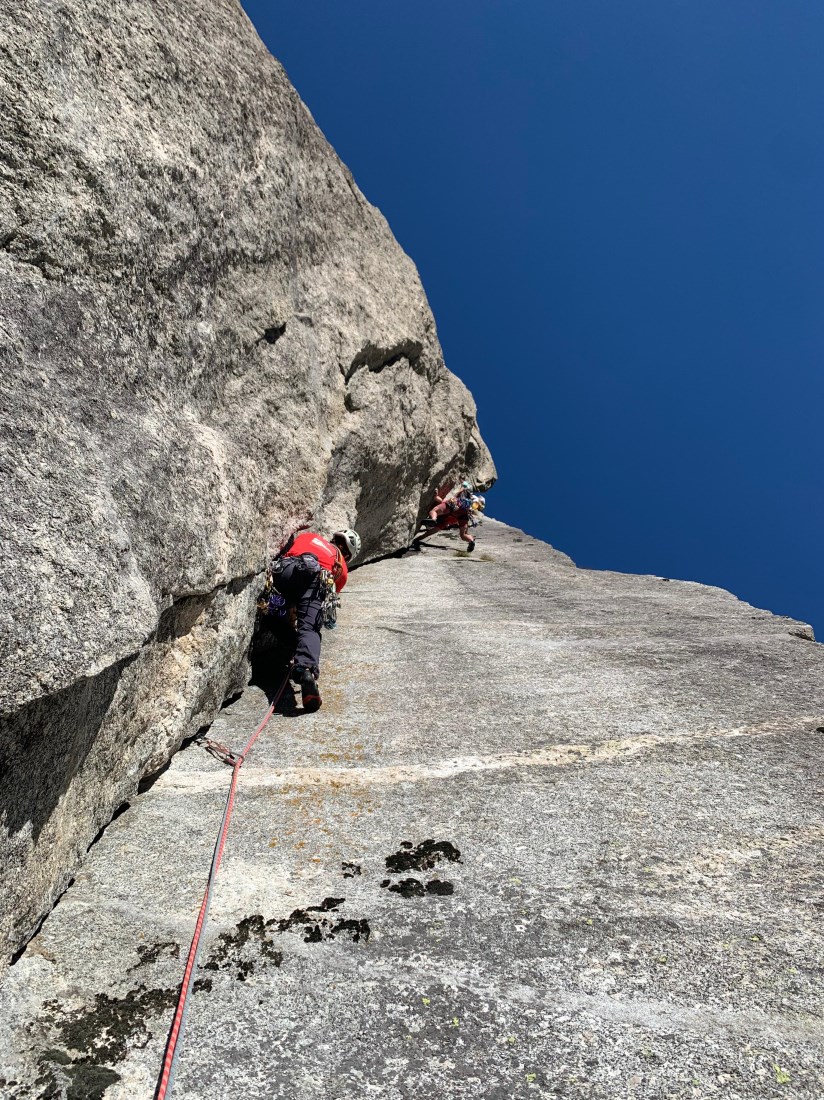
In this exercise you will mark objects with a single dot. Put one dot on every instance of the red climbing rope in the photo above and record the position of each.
(164, 1085)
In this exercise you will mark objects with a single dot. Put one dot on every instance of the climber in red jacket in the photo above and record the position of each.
(302, 574)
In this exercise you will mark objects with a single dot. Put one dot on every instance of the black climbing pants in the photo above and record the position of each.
(298, 581)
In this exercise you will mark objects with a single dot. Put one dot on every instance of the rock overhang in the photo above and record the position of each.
(193, 291)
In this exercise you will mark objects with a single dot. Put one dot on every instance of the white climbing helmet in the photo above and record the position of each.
(349, 541)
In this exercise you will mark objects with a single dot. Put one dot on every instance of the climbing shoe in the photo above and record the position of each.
(470, 547)
(308, 688)
(287, 703)
(429, 523)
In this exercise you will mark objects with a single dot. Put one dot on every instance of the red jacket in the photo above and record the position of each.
(329, 556)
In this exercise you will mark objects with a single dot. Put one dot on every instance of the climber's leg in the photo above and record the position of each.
(309, 610)
(463, 531)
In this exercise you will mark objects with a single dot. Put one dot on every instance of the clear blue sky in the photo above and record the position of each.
(616, 211)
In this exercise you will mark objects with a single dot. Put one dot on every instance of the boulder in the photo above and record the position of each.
(207, 336)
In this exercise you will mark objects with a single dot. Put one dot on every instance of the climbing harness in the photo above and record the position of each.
(272, 602)
(235, 761)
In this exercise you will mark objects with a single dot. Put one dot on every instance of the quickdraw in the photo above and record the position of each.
(270, 601)
(220, 752)
(331, 600)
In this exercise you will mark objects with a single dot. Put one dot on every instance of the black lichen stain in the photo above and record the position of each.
(47, 1083)
(440, 887)
(151, 952)
(202, 985)
(326, 906)
(407, 888)
(423, 857)
(89, 1040)
(71, 1081)
(414, 888)
(241, 951)
(350, 869)
(89, 1082)
(356, 928)
(103, 1032)
(321, 929)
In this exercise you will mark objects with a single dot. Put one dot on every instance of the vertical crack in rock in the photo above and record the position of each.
(71, 760)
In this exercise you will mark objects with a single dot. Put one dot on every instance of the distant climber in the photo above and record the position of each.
(456, 510)
(305, 578)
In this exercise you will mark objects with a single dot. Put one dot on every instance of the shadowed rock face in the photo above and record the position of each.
(206, 334)
(553, 833)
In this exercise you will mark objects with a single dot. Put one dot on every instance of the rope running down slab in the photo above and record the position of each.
(164, 1086)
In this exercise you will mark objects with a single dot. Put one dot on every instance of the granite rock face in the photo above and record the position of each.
(206, 334)
(553, 833)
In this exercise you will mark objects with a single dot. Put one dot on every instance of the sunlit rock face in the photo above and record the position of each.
(553, 831)
(207, 334)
